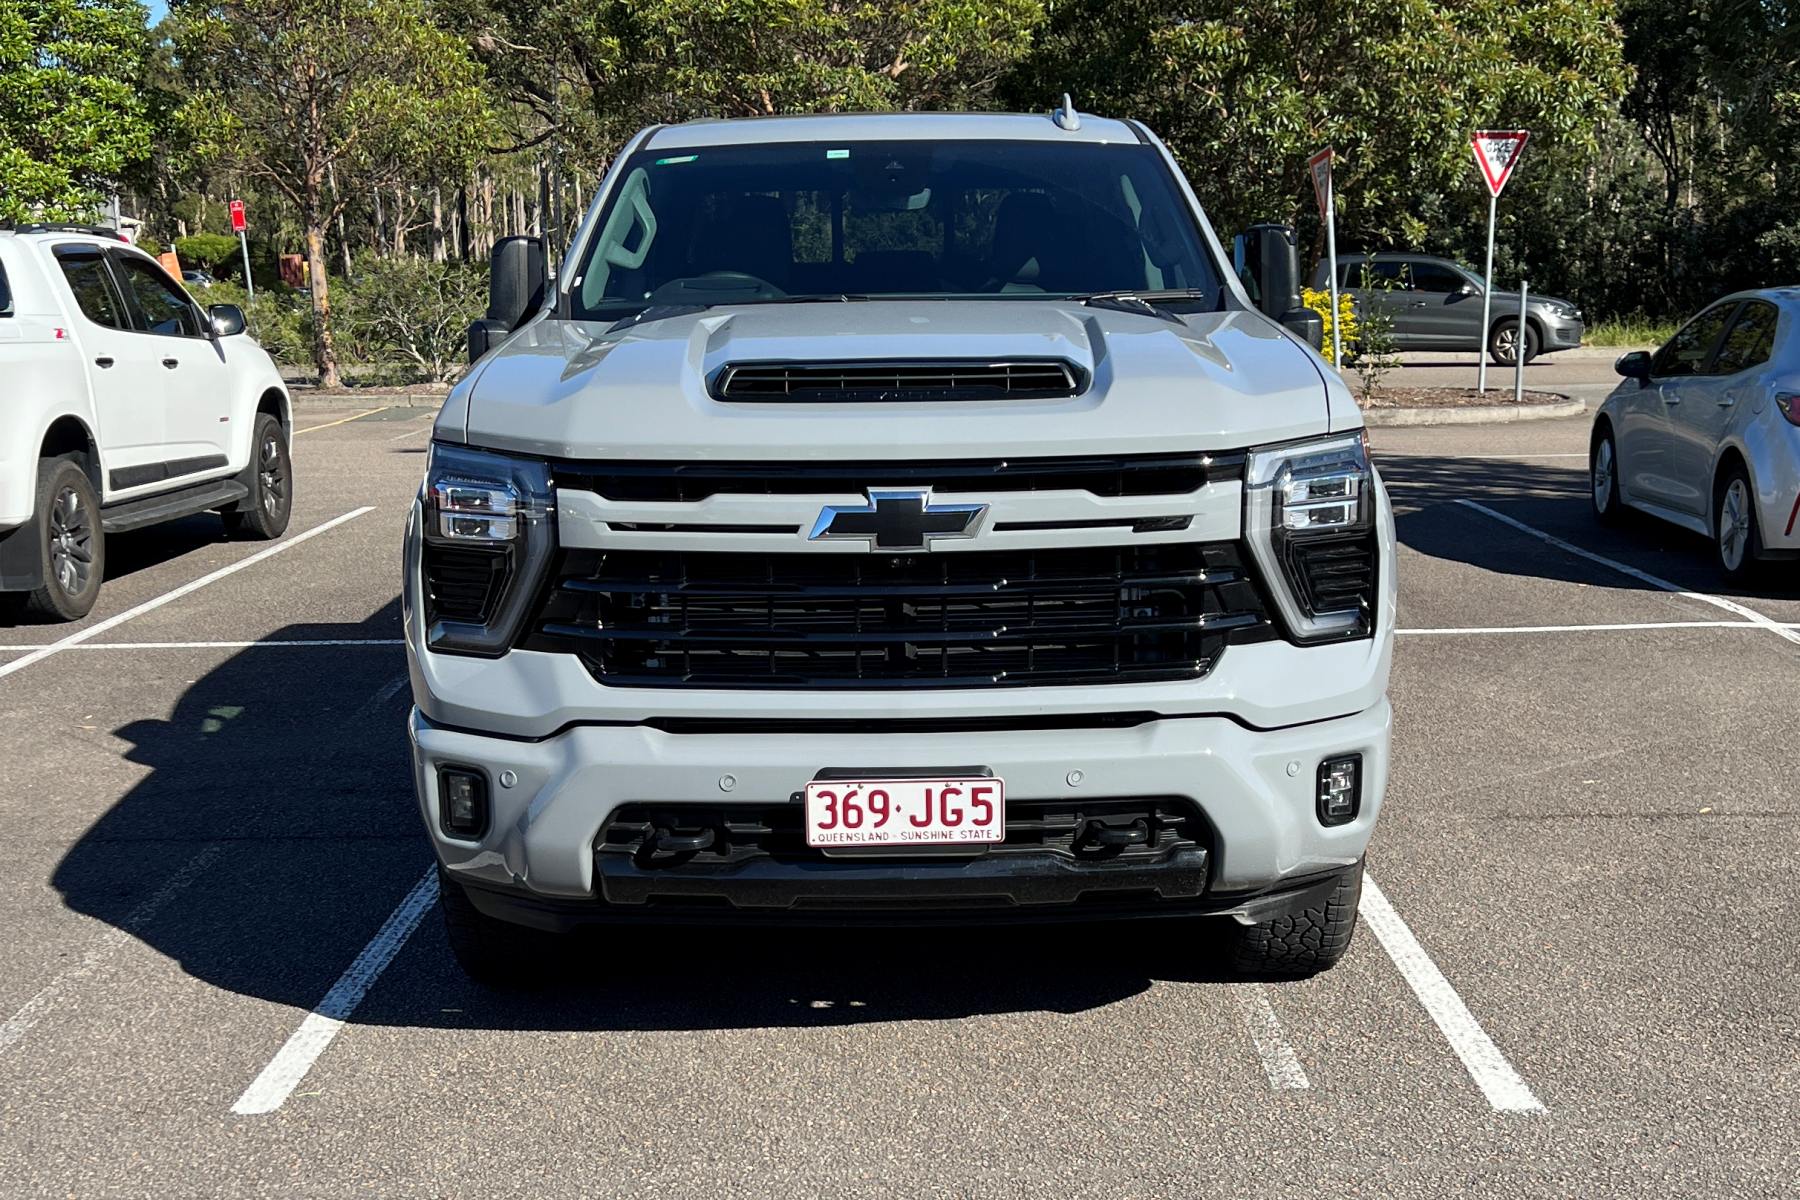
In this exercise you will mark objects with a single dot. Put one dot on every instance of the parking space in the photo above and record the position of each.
(1577, 974)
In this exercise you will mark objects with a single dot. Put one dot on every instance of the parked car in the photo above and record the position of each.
(1436, 305)
(124, 405)
(898, 518)
(1705, 432)
(198, 279)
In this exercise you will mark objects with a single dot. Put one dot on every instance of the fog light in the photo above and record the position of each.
(462, 803)
(1340, 789)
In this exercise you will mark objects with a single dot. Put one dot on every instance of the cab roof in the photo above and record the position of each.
(924, 127)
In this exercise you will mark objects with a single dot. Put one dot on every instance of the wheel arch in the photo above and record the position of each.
(69, 434)
(1730, 455)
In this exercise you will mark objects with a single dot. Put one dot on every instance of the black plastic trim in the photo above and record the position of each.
(130, 477)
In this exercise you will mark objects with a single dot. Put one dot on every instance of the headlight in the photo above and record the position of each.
(487, 537)
(1309, 516)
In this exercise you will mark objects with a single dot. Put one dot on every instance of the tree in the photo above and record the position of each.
(297, 92)
(1246, 90)
(600, 70)
(71, 116)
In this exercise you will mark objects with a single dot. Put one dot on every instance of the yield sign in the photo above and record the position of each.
(1320, 166)
(1497, 153)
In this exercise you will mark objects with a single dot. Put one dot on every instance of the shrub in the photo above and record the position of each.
(411, 312)
(1319, 301)
(213, 252)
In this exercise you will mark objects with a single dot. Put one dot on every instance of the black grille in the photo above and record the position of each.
(1137, 475)
(1334, 575)
(898, 382)
(1112, 615)
(660, 835)
(463, 585)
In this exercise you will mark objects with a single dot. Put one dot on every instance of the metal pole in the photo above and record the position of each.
(1487, 297)
(1337, 333)
(1519, 348)
(249, 284)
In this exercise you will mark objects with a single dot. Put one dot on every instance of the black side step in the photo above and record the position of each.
(153, 510)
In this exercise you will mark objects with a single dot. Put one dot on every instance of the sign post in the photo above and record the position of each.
(1519, 347)
(1319, 166)
(1496, 154)
(238, 225)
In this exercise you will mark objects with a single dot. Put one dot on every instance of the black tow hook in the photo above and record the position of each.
(1113, 837)
(667, 841)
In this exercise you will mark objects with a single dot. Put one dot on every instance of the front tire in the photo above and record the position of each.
(263, 514)
(1737, 536)
(1603, 479)
(71, 545)
(492, 952)
(1503, 342)
(1300, 944)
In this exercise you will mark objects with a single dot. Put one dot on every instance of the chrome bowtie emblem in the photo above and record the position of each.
(898, 520)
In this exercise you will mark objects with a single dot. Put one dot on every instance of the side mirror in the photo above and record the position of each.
(1268, 263)
(227, 320)
(1635, 365)
(516, 282)
(1468, 289)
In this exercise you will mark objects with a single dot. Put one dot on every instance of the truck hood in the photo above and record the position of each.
(572, 389)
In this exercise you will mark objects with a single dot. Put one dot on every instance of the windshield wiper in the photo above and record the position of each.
(1149, 301)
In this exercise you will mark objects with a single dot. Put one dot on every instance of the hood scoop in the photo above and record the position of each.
(903, 381)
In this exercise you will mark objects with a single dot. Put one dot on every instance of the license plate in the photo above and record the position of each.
(843, 813)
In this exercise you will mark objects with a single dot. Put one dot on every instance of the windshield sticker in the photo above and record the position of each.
(668, 162)
(837, 154)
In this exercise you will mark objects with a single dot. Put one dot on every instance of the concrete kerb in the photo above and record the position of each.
(1474, 414)
(309, 399)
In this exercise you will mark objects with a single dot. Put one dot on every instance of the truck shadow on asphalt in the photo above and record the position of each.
(1553, 500)
(275, 830)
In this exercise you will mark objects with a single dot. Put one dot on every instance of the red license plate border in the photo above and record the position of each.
(910, 777)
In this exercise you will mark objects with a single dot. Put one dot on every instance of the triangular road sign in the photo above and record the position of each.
(1497, 153)
(1320, 166)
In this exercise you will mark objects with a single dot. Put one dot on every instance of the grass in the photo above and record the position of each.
(1630, 331)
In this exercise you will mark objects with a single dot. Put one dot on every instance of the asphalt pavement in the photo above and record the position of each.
(1578, 975)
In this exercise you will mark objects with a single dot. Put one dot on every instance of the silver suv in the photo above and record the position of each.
(898, 518)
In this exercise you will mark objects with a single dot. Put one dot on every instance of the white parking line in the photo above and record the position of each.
(95, 630)
(304, 643)
(270, 1090)
(1502, 1086)
(1279, 1061)
(1480, 629)
(20, 1023)
(1731, 606)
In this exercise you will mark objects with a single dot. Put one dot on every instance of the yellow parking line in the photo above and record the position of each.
(342, 421)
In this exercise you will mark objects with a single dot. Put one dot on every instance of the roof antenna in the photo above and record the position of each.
(1066, 117)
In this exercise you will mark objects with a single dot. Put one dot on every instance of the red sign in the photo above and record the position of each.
(1320, 167)
(1497, 153)
(237, 216)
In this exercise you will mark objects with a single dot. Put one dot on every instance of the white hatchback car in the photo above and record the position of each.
(1705, 432)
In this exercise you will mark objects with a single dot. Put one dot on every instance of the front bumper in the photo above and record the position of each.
(1255, 790)
(1560, 333)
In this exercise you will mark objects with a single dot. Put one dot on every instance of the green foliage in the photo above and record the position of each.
(214, 252)
(72, 117)
(416, 313)
(323, 99)
(1631, 332)
(1245, 90)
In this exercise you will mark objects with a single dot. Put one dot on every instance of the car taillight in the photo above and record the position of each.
(486, 538)
(1309, 517)
(1789, 404)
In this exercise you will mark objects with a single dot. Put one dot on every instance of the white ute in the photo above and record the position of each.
(122, 404)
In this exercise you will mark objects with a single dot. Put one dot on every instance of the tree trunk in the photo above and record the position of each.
(437, 225)
(324, 355)
(402, 214)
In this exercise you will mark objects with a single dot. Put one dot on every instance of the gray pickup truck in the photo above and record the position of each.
(899, 518)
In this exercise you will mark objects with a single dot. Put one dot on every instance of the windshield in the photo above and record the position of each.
(762, 224)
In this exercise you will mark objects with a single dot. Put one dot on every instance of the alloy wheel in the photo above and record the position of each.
(1603, 475)
(71, 542)
(271, 474)
(1734, 525)
(1506, 344)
